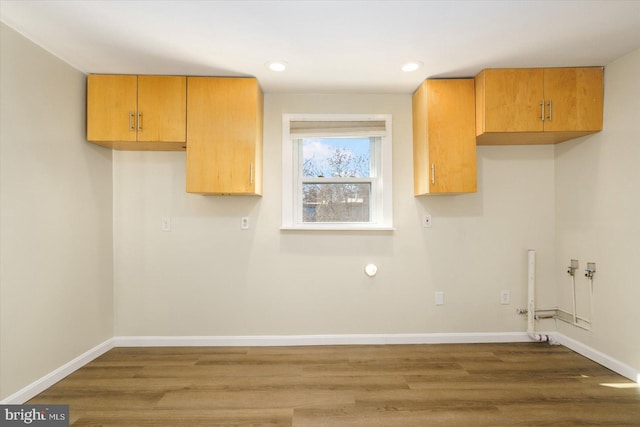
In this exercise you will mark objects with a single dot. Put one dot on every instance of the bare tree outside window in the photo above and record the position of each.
(334, 200)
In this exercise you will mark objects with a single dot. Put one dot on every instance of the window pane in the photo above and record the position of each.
(336, 202)
(328, 157)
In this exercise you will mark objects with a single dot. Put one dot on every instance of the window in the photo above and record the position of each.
(336, 172)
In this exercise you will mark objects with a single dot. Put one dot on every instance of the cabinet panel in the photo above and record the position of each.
(162, 108)
(224, 134)
(421, 164)
(513, 100)
(111, 107)
(444, 146)
(574, 99)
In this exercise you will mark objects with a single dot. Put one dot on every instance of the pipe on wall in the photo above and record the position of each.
(531, 306)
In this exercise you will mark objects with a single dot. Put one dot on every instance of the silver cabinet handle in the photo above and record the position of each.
(542, 114)
(130, 120)
(550, 106)
(139, 120)
(433, 173)
(251, 173)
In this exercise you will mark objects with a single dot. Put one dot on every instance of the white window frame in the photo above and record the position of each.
(381, 213)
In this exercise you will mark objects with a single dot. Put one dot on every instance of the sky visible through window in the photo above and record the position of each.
(336, 157)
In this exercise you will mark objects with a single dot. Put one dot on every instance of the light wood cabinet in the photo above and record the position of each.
(224, 134)
(538, 105)
(444, 146)
(128, 112)
(111, 106)
(574, 98)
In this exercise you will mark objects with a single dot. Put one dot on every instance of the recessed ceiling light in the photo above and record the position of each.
(411, 66)
(276, 65)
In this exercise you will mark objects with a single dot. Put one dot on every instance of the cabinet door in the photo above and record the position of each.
(444, 137)
(512, 100)
(111, 107)
(574, 99)
(162, 108)
(421, 161)
(224, 131)
(451, 135)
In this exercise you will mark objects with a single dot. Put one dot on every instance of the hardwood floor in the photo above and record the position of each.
(521, 384)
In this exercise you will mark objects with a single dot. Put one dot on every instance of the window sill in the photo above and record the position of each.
(335, 228)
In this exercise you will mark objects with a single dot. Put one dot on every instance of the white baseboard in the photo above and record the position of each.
(302, 340)
(48, 380)
(53, 377)
(598, 357)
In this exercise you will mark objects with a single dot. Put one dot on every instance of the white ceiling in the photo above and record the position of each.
(330, 46)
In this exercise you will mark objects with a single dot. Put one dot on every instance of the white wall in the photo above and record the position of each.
(598, 204)
(55, 218)
(209, 277)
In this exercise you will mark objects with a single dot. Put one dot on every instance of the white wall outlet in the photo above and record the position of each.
(439, 298)
(244, 223)
(166, 223)
(426, 221)
(505, 297)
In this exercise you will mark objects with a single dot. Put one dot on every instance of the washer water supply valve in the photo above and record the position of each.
(591, 269)
(573, 267)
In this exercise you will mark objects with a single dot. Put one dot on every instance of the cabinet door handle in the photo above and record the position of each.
(433, 173)
(130, 120)
(542, 114)
(139, 120)
(251, 173)
(549, 110)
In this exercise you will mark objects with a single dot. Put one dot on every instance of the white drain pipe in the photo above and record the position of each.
(573, 292)
(531, 306)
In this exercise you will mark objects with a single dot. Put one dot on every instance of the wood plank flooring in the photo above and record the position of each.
(521, 384)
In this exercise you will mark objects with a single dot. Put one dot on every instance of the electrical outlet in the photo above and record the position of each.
(244, 223)
(166, 223)
(505, 297)
(426, 221)
(439, 298)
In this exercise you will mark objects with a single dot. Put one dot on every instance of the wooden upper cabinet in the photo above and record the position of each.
(574, 98)
(512, 100)
(162, 109)
(444, 146)
(111, 108)
(128, 112)
(539, 105)
(224, 134)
